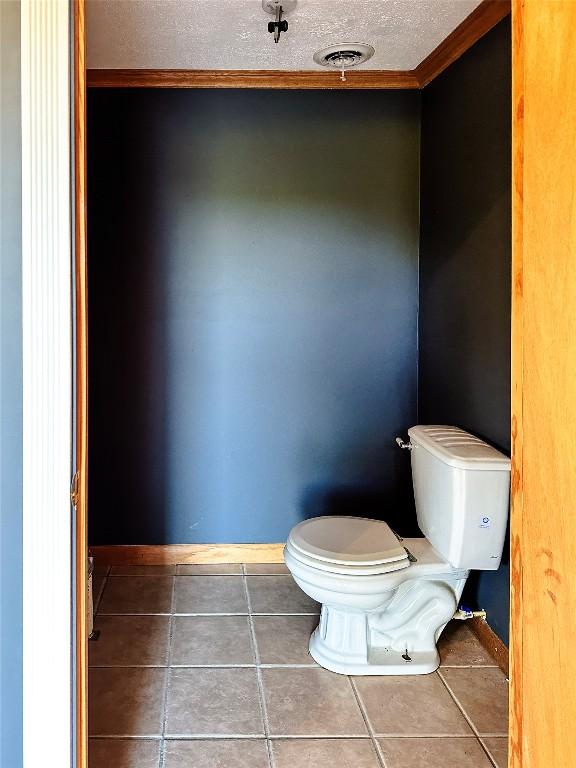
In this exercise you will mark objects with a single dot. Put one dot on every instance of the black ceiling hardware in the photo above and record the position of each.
(278, 9)
(278, 25)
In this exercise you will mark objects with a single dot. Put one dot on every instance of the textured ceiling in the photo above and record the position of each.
(231, 34)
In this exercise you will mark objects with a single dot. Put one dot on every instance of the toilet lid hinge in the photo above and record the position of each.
(410, 555)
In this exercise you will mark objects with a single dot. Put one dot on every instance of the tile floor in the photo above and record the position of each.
(207, 667)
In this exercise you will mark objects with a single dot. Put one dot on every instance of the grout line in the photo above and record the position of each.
(204, 575)
(463, 710)
(364, 712)
(208, 666)
(128, 666)
(440, 736)
(142, 613)
(216, 737)
(167, 672)
(487, 749)
(185, 737)
(320, 736)
(271, 755)
(468, 666)
(166, 575)
(310, 613)
(466, 716)
(207, 615)
(259, 737)
(283, 737)
(290, 666)
(135, 737)
(269, 576)
(256, 654)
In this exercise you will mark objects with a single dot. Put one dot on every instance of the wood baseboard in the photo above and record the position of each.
(491, 642)
(173, 554)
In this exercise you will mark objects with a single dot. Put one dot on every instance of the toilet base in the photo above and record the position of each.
(382, 661)
(399, 638)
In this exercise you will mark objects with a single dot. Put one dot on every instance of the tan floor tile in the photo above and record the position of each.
(210, 594)
(284, 639)
(123, 753)
(130, 640)
(211, 640)
(311, 702)
(213, 702)
(230, 569)
(483, 694)
(324, 753)
(498, 748)
(231, 753)
(434, 753)
(137, 594)
(278, 594)
(126, 701)
(459, 647)
(266, 569)
(410, 705)
(143, 570)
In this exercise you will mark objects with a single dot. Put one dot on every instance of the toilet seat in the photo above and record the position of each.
(347, 545)
(346, 570)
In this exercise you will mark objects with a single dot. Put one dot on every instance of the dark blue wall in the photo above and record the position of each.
(465, 263)
(10, 391)
(253, 299)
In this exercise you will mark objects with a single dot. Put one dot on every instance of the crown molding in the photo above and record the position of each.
(255, 78)
(475, 26)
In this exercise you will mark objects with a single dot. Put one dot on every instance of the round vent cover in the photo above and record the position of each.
(344, 55)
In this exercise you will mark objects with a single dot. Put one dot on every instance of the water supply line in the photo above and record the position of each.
(464, 613)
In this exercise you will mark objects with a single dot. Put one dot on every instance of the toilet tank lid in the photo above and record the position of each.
(458, 448)
(347, 540)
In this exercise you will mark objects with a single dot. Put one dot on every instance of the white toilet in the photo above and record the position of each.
(385, 600)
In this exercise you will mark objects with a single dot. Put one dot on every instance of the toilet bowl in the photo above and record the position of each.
(385, 600)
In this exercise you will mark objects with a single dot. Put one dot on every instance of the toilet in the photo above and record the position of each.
(385, 600)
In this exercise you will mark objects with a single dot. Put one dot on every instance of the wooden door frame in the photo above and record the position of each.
(543, 540)
(519, 740)
(80, 481)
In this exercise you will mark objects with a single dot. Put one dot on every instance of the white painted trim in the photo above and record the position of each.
(47, 382)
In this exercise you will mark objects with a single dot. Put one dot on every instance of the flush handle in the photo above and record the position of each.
(402, 444)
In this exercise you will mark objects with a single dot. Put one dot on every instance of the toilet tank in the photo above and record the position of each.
(461, 489)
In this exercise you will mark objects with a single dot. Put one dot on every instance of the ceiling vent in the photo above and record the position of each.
(343, 56)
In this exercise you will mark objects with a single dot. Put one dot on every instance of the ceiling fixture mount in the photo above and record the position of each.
(343, 56)
(278, 8)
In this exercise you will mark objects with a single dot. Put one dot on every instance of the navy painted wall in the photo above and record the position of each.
(253, 299)
(10, 390)
(465, 263)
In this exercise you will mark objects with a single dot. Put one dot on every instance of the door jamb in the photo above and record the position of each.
(48, 572)
(80, 499)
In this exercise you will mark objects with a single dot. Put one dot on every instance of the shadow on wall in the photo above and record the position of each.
(253, 299)
(128, 357)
